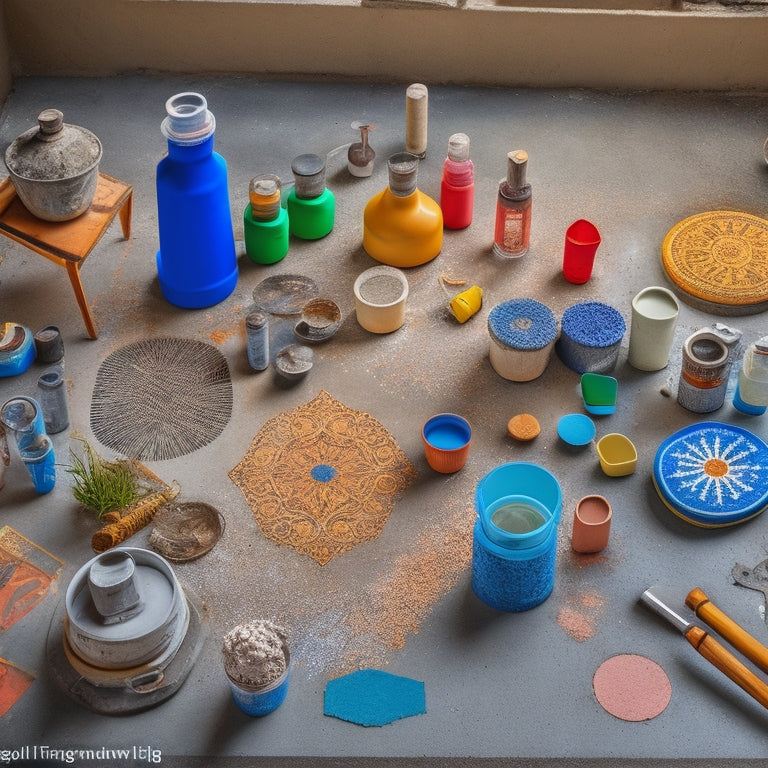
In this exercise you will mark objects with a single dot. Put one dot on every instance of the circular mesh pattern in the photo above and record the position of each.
(161, 398)
(522, 324)
(593, 324)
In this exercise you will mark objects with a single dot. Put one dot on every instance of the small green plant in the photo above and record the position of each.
(101, 485)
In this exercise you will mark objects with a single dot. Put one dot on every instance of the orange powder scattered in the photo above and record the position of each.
(400, 600)
(578, 618)
(219, 337)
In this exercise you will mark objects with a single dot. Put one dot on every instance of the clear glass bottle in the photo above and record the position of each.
(512, 232)
(752, 389)
(457, 189)
(265, 222)
(402, 226)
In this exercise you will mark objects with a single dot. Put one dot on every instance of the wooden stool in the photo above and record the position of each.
(68, 243)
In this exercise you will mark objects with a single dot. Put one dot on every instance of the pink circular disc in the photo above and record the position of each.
(632, 687)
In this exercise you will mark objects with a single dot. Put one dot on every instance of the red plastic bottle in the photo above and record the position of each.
(457, 189)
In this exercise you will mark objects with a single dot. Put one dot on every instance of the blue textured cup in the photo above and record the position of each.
(514, 569)
(513, 580)
(591, 337)
(258, 702)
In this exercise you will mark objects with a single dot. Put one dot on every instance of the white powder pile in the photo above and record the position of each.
(254, 653)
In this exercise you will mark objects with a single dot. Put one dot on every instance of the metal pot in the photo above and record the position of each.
(55, 167)
(125, 608)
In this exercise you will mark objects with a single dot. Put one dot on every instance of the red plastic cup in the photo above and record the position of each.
(581, 242)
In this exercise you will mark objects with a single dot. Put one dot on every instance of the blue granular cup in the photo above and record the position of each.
(591, 337)
(513, 555)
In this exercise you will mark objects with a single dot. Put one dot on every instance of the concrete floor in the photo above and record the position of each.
(502, 689)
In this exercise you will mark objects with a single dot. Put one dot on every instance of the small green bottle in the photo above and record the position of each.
(265, 222)
(311, 205)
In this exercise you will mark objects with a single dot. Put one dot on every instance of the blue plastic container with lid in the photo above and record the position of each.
(514, 544)
(196, 263)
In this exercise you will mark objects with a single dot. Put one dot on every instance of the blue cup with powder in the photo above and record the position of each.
(514, 544)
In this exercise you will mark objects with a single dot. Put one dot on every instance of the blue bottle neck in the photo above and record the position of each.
(190, 152)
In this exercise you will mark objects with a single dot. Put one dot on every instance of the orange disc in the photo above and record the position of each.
(523, 427)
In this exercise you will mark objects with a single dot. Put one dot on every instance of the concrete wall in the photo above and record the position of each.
(6, 78)
(479, 42)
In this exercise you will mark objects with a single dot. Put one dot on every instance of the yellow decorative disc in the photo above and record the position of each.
(720, 257)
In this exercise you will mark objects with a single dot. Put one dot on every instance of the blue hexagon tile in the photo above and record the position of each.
(374, 697)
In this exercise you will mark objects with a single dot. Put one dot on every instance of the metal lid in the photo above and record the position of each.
(53, 150)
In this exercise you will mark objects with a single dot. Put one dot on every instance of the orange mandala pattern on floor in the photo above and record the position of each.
(322, 477)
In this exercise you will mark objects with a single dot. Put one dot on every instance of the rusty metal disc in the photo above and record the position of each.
(186, 530)
(719, 260)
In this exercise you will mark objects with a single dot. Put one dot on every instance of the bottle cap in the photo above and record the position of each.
(264, 195)
(309, 173)
(458, 147)
(256, 320)
(189, 121)
(403, 170)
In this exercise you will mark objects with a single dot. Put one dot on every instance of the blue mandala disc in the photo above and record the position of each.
(713, 474)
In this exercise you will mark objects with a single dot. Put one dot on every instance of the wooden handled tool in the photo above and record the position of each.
(727, 628)
(711, 650)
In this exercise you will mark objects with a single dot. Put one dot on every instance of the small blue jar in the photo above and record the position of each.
(514, 546)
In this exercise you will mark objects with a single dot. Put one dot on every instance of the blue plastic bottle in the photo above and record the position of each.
(196, 263)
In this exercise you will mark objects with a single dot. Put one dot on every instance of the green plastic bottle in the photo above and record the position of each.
(311, 205)
(265, 222)
(402, 226)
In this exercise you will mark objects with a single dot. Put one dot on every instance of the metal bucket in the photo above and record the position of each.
(55, 167)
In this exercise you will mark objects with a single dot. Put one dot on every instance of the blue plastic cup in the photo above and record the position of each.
(514, 545)
(520, 478)
(39, 459)
(24, 417)
(258, 702)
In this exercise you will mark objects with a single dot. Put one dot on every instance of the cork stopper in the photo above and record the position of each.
(517, 162)
(416, 119)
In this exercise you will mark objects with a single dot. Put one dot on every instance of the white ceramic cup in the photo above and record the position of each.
(380, 295)
(654, 316)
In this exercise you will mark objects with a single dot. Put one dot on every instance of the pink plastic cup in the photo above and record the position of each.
(581, 242)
